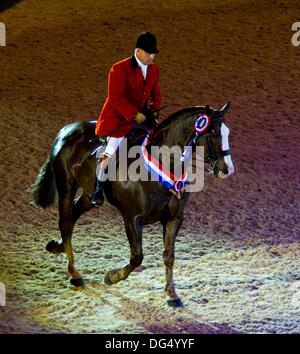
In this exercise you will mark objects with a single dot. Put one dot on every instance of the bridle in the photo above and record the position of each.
(212, 158)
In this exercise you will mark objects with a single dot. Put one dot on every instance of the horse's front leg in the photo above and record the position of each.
(134, 230)
(171, 229)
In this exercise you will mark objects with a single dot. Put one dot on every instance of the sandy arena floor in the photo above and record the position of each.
(238, 252)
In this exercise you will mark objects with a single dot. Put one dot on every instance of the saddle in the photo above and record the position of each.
(135, 137)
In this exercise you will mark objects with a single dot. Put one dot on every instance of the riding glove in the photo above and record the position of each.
(140, 118)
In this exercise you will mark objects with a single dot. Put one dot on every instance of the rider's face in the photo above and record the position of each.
(145, 57)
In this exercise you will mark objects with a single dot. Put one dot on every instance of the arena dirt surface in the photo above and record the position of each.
(238, 254)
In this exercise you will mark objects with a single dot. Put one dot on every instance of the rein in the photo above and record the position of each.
(176, 185)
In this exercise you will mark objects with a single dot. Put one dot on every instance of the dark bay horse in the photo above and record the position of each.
(70, 167)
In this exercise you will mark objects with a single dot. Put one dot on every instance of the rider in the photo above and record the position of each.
(133, 86)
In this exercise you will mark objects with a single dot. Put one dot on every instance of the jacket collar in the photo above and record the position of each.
(135, 63)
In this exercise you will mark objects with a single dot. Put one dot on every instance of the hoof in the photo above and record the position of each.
(55, 247)
(77, 282)
(175, 303)
(107, 280)
(51, 245)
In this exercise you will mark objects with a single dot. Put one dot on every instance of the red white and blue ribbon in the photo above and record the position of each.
(160, 173)
(202, 124)
(175, 184)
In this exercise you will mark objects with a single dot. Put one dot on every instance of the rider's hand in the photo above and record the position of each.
(140, 118)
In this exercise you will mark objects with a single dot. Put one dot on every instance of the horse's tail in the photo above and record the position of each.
(43, 190)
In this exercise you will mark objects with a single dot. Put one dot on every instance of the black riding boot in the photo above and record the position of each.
(98, 195)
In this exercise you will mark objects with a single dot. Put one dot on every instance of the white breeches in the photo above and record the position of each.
(112, 145)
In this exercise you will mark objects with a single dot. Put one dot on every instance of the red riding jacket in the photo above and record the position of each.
(128, 94)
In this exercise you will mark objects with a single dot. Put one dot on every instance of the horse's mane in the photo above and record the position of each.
(178, 121)
(179, 114)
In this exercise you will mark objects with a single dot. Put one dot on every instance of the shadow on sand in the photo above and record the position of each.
(6, 4)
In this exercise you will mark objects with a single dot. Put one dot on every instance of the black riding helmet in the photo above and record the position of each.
(147, 42)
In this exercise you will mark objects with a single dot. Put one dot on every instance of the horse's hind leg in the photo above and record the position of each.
(66, 226)
(170, 231)
(134, 230)
(80, 206)
(66, 189)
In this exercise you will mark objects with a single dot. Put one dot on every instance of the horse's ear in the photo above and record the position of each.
(225, 108)
(207, 109)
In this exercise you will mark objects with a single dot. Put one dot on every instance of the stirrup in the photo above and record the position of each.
(98, 195)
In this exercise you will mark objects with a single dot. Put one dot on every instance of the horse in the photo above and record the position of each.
(70, 167)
